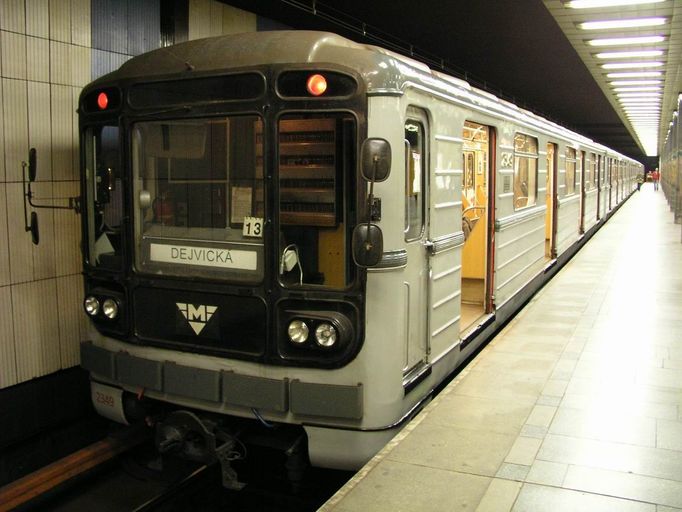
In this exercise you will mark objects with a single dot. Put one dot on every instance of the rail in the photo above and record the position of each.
(42, 481)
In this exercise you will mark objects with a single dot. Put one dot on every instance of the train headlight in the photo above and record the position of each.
(91, 305)
(298, 332)
(110, 308)
(326, 335)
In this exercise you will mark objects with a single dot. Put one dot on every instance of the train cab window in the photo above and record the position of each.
(104, 194)
(316, 184)
(414, 179)
(525, 171)
(569, 176)
(198, 195)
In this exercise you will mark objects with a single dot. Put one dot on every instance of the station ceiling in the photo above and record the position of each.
(531, 52)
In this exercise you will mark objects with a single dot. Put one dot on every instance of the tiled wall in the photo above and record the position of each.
(49, 49)
(44, 61)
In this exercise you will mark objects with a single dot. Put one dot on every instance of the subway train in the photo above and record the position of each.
(293, 238)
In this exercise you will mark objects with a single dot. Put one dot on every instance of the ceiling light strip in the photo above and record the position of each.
(624, 23)
(621, 41)
(593, 4)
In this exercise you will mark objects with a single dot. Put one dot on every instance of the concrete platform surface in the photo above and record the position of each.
(576, 405)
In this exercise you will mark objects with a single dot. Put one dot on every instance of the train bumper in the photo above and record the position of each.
(214, 389)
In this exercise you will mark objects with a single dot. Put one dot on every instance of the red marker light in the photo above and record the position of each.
(317, 85)
(102, 100)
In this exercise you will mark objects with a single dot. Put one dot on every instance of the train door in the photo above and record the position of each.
(476, 257)
(597, 179)
(416, 284)
(609, 183)
(550, 201)
(581, 173)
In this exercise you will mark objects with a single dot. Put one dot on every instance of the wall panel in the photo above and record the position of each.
(69, 297)
(3, 178)
(144, 22)
(15, 119)
(60, 63)
(60, 20)
(36, 324)
(19, 242)
(236, 21)
(13, 55)
(199, 19)
(38, 59)
(67, 228)
(8, 366)
(109, 30)
(62, 132)
(4, 247)
(43, 254)
(38, 18)
(12, 15)
(80, 66)
(80, 22)
(40, 132)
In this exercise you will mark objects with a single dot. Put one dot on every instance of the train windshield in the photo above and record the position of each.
(198, 192)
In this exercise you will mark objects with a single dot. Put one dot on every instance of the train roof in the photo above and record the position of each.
(384, 71)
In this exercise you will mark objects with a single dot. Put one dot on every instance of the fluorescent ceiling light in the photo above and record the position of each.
(640, 101)
(591, 4)
(630, 65)
(626, 23)
(638, 89)
(635, 74)
(629, 55)
(617, 41)
(645, 95)
(617, 83)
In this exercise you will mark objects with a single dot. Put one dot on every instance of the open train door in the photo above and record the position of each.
(478, 226)
(551, 202)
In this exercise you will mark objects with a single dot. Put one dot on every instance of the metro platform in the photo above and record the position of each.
(576, 405)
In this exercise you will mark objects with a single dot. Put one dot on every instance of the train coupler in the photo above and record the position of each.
(185, 435)
(226, 454)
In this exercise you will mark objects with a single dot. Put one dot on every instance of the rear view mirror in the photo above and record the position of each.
(375, 159)
(33, 228)
(368, 245)
(32, 169)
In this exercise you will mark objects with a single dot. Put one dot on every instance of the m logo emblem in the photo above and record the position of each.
(196, 316)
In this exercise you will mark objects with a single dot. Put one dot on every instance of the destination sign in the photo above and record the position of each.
(204, 256)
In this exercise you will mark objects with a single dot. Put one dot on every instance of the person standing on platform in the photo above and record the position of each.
(655, 176)
(640, 180)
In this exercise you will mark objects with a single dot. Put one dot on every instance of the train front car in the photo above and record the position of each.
(223, 189)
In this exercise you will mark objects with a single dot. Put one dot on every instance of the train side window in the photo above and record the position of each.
(104, 193)
(316, 207)
(525, 171)
(569, 176)
(414, 179)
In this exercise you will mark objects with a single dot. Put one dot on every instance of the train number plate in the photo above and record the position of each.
(253, 227)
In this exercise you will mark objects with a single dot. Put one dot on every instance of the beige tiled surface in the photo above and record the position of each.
(575, 406)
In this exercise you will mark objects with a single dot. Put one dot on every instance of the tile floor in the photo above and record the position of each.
(575, 406)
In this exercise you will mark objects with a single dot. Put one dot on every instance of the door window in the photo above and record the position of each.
(415, 166)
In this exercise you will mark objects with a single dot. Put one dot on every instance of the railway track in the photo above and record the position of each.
(123, 473)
